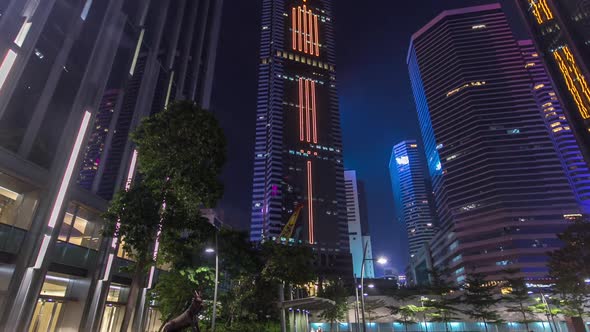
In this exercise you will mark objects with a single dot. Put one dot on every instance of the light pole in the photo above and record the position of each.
(380, 261)
(216, 251)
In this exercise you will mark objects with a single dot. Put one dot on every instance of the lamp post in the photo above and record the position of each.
(216, 251)
(380, 261)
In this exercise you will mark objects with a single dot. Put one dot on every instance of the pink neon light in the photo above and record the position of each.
(299, 36)
(310, 19)
(317, 36)
(314, 115)
(305, 28)
(301, 130)
(310, 203)
(307, 115)
(294, 27)
(65, 181)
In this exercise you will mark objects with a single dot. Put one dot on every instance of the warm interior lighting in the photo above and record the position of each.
(6, 66)
(8, 193)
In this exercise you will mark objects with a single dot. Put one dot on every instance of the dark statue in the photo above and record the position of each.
(189, 318)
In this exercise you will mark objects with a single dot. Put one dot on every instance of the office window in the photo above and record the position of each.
(18, 202)
(81, 227)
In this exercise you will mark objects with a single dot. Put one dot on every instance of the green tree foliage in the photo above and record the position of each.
(406, 312)
(181, 153)
(289, 264)
(182, 150)
(479, 297)
(517, 298)
(335, 291)
(174, 291)
(570, 266)
(444, 298)
(135, 216)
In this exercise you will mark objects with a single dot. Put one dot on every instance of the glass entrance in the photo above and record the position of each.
(112, 318)
(46, 316)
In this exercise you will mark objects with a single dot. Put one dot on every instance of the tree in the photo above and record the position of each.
(336, 292)
(182, 150)
(445, 300)
(570, 266)
(517, 297)
(479, 296)
(181, 153)
(542, 307)
(405, 311)
(288, 264)
(175, 289)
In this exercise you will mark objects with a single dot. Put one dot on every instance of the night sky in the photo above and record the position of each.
(376, 100)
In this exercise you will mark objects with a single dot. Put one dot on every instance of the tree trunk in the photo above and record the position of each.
(485, 325)
(133, 293)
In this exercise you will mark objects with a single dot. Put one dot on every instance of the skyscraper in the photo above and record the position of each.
(413, 203)
(76, 76)
(558, 126)
(561, 31)
(358, 236)
(500, 190)
(298, 152)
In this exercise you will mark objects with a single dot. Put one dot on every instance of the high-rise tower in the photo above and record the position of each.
(558, 125)
(500, 190)
(359, 239)
(76, 76)
(298, 153)
(561, 31)
(413, 202)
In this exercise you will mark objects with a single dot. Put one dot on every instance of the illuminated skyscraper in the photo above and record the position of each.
(500, 189)
(558, 126)
(413, 202)
(298, 153)
(561, 32)
(76, 76)
(357, 230)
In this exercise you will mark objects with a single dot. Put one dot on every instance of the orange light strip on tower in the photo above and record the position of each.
(305, 28)
(317, 35)
(314, 113)
(301, 130)
(307, 111)
(294, 27)
(310, 203)
(299, 28)
(575, 81)
(541, 11)
(310, 20)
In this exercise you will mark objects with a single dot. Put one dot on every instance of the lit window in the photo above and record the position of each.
(529, 64)
(478, 27)
(539, 86)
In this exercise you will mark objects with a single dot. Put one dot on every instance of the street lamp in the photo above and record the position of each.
(211, 251)
(381, 261)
